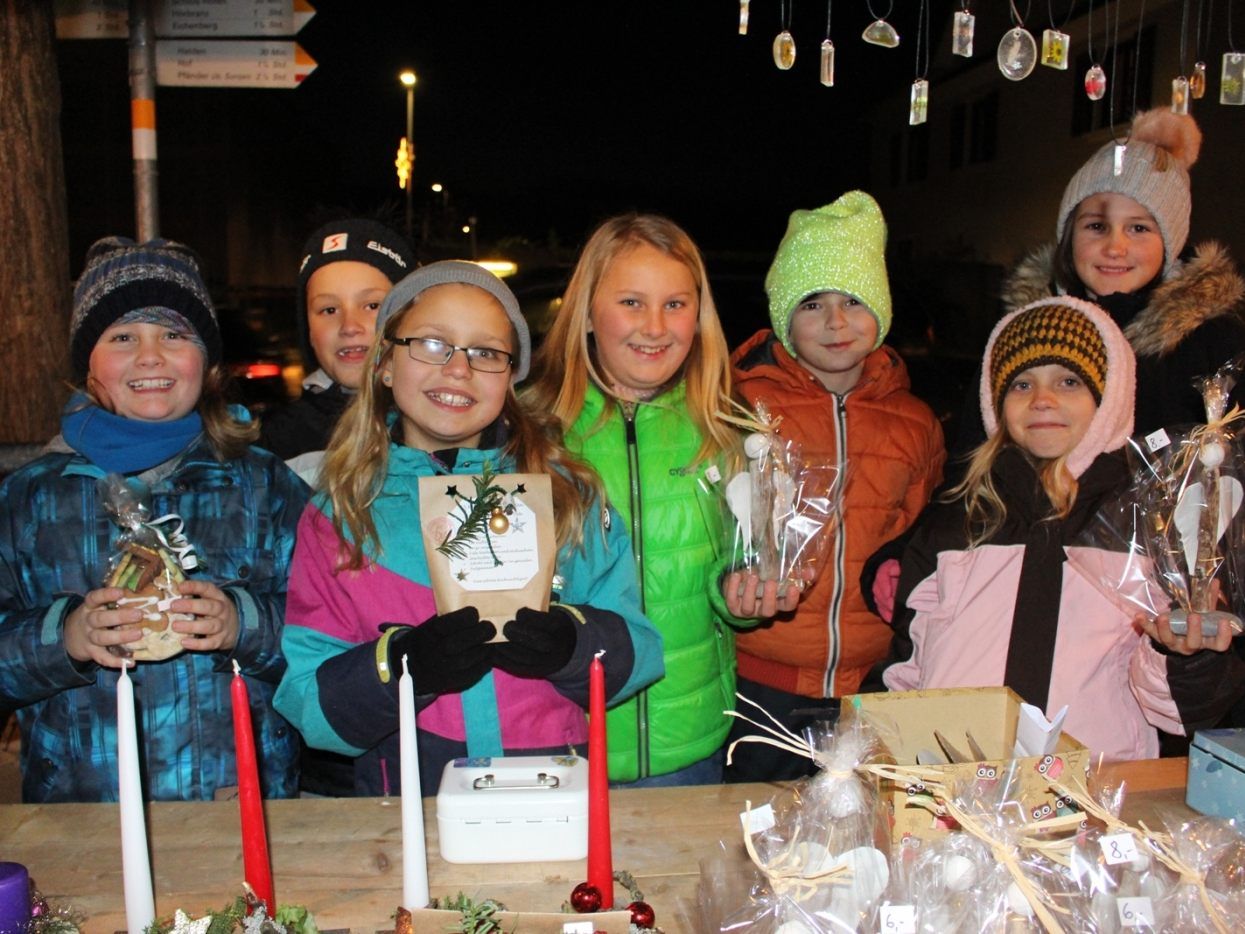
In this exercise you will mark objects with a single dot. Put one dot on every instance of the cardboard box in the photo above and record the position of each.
(514, 809)
(990, 715)
(1217, 773)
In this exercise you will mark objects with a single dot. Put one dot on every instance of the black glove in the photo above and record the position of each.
(445, 654)
(538, 645)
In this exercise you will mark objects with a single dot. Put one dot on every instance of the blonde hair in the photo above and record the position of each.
(984, 509)
(565, 361)
(357, 459)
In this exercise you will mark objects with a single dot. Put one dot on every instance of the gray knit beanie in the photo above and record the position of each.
(122, 276)
(461, 272)
(1155, 174)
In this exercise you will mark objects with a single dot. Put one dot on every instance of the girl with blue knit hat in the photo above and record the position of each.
(144, 337)
(843, 395)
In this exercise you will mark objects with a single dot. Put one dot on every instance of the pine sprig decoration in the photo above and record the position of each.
(488, 497)
(477, 917)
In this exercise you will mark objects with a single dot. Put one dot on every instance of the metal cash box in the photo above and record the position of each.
(514, 809)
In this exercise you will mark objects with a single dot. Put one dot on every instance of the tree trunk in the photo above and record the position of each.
(34, 240)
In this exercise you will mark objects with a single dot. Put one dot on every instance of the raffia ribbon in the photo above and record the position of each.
(785, 874)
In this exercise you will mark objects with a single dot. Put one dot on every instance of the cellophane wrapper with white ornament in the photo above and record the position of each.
(1214, 852)
(143, 564)
(1177, 535)
(781, 510)
(824, 862)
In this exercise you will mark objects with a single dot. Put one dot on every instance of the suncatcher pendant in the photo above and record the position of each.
(743, 17)
(1017, 54)
(1197, 81)
(882, 33)
(1180, 95)
(962, 34)
(1055, 49)
(1095, 83)
(827, 63)
(918, 108)
(1232, 79)
(1118, 162)
(784, 50)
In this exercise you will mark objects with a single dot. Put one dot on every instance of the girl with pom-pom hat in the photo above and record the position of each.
(1122, 244)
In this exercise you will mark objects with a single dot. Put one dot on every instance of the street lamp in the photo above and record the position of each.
(408, 80)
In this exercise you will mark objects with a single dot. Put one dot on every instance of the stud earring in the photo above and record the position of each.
(387, 379)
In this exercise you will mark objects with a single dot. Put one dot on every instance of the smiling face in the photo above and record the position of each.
(449, 405)
(149, 372)
(832, 334)
(644, 317)
(342, 301)
(1047, 410)
(1116, 244)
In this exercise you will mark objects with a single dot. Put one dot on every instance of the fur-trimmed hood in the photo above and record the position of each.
(1204, 287)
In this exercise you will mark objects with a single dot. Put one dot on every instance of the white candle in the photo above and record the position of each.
(414, 852)
(140, 906)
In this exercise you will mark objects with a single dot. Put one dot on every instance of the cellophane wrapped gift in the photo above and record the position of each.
(1209, 894)
(781, 509)
(817, 853)
(149, 559)
(1178, 531)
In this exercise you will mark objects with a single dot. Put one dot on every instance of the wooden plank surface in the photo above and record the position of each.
(343, 857)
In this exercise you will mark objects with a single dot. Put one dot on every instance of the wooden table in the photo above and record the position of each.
(343, 857)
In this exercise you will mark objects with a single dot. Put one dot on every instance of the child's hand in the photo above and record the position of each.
(90, 629)
(1159, 629)
(215, 624)
(885, 586)
(746, 595)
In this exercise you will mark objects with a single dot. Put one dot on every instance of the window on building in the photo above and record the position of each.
(1135, 68)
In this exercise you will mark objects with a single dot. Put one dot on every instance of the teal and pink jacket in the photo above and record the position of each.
(334, 693)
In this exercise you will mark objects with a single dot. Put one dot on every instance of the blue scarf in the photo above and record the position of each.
(124, 445)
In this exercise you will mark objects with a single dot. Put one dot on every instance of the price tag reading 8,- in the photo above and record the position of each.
(1135, 912)
(1118, 848)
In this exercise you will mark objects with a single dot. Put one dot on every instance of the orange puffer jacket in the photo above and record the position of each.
(893, 447)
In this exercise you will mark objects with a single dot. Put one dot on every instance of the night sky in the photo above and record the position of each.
(540, 118)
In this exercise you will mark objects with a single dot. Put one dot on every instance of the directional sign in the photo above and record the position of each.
(92, 19)
(217, 18)
(231, 64)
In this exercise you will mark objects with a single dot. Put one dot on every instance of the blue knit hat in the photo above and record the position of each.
(122, 276)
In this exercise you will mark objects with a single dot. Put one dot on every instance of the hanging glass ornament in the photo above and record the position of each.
(784, 50)
(1197, 81)
(1180, 95)
(743, 17)
(881, 33)
(1095, 83)
(1232, 79)
(1055, 49)
(827, 63)
(962, 34)
(918, 107)
(1118, 162)
(1017, 54)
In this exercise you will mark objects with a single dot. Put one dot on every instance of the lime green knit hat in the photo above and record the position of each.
(837, 248)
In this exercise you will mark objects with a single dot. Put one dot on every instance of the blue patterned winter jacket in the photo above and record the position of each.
(55, 541)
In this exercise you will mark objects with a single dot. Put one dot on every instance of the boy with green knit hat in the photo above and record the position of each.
(844, 396)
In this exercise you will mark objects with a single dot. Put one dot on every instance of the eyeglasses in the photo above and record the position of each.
(438, 353)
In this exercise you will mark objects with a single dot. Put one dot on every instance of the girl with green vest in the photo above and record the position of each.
(637, 369)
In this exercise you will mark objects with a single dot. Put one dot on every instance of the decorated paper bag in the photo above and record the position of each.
(490, 542)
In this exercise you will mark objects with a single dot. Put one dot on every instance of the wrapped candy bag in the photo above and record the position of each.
(1179, 529)
(952, 884)
(1210, 893)
(149, 562)
(782, 508)
(818, 849)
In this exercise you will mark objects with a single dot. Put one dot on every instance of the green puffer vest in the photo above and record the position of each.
(648, 466)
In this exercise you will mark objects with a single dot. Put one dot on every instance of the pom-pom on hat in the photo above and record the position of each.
(461, 272)
(1155, 173)
(837, 248)
(122, 276)
(1080, 336)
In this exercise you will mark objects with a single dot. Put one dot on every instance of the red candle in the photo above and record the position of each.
(600, 858)
(255, 866)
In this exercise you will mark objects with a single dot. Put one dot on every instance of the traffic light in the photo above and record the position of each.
(403, 163)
